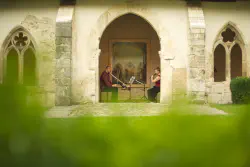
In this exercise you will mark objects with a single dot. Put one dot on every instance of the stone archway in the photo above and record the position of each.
(134, 36)
(94, 39)
(235, 64)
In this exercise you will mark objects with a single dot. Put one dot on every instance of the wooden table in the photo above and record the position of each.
(136, 86)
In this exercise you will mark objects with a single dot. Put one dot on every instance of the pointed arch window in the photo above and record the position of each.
(19, 59)
(228, 54)
(219, 63)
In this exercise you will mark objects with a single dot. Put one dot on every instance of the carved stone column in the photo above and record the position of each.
(63, 55)
(196, 57)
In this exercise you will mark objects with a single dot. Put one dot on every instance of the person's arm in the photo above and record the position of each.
(156, 79)
(106, 81)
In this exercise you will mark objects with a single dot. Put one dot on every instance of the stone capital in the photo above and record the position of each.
(165, 55)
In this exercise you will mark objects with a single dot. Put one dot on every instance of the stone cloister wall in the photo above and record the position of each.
(38, 18)
(172, 54)
(219, 16)
(196, 56)
(184, 34)
(68, 51)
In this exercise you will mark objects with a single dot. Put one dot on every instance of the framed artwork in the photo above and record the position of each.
(129, 58)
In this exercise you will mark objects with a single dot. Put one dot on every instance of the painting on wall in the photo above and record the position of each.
(129, 59)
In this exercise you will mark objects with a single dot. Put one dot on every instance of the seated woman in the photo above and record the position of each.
(152, 93)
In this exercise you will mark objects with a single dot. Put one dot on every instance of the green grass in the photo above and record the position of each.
(231, 108)
(28, 139)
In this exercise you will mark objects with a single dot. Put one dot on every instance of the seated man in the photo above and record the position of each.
(152, 93)
(106, 84)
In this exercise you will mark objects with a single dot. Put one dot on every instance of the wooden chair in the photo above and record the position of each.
(105, 96)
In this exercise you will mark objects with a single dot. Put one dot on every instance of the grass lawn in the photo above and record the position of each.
(231, 108)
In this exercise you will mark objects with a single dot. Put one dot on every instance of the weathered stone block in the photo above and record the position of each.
(218, 88)
(62, 101)
(62, 95)
(63, 72)
(64, 41)
(227, 89)
(197, 30)
(179, 80)
(193, 73)
(63, 30)
(197, 85)
(63, 48)
(200, 42)
(215, 98)
(227, 98)
(197, 36)
(64, 55)
(197, 96)
(196, 61)
(63, 81)
(63, 63)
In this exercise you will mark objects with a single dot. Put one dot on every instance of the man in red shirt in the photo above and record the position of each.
(106, 84)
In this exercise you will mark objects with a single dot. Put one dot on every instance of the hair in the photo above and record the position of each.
(158, 69)
(107, 66)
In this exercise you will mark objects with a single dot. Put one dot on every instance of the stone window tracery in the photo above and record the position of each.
(228, 55)
(19, 60)
(228, 35)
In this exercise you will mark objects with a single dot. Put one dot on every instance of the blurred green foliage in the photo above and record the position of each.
(240, 88)
(28, 139)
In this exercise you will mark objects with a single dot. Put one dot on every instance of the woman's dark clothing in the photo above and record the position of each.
(152, 93)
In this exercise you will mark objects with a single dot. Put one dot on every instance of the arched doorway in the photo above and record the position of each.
(130, 45)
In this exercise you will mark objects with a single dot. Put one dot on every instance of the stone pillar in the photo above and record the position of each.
(166, 78)
(196, 57)
(95, 58)
(63, 55)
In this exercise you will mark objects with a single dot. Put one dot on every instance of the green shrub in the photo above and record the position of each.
(240, 88)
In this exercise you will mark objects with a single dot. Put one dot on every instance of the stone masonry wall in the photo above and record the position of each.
(63, 55)
(42, 30)
(196, 57)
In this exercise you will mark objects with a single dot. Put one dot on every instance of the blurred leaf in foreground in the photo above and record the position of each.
(29, 139)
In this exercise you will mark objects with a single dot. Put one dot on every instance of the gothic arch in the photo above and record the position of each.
(232, 26)
(14, 30)
(118, 16)
(102, 23)
(21, 41)
(229, 36)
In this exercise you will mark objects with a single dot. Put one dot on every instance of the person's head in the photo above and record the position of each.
(157, 70)
(108, 69)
